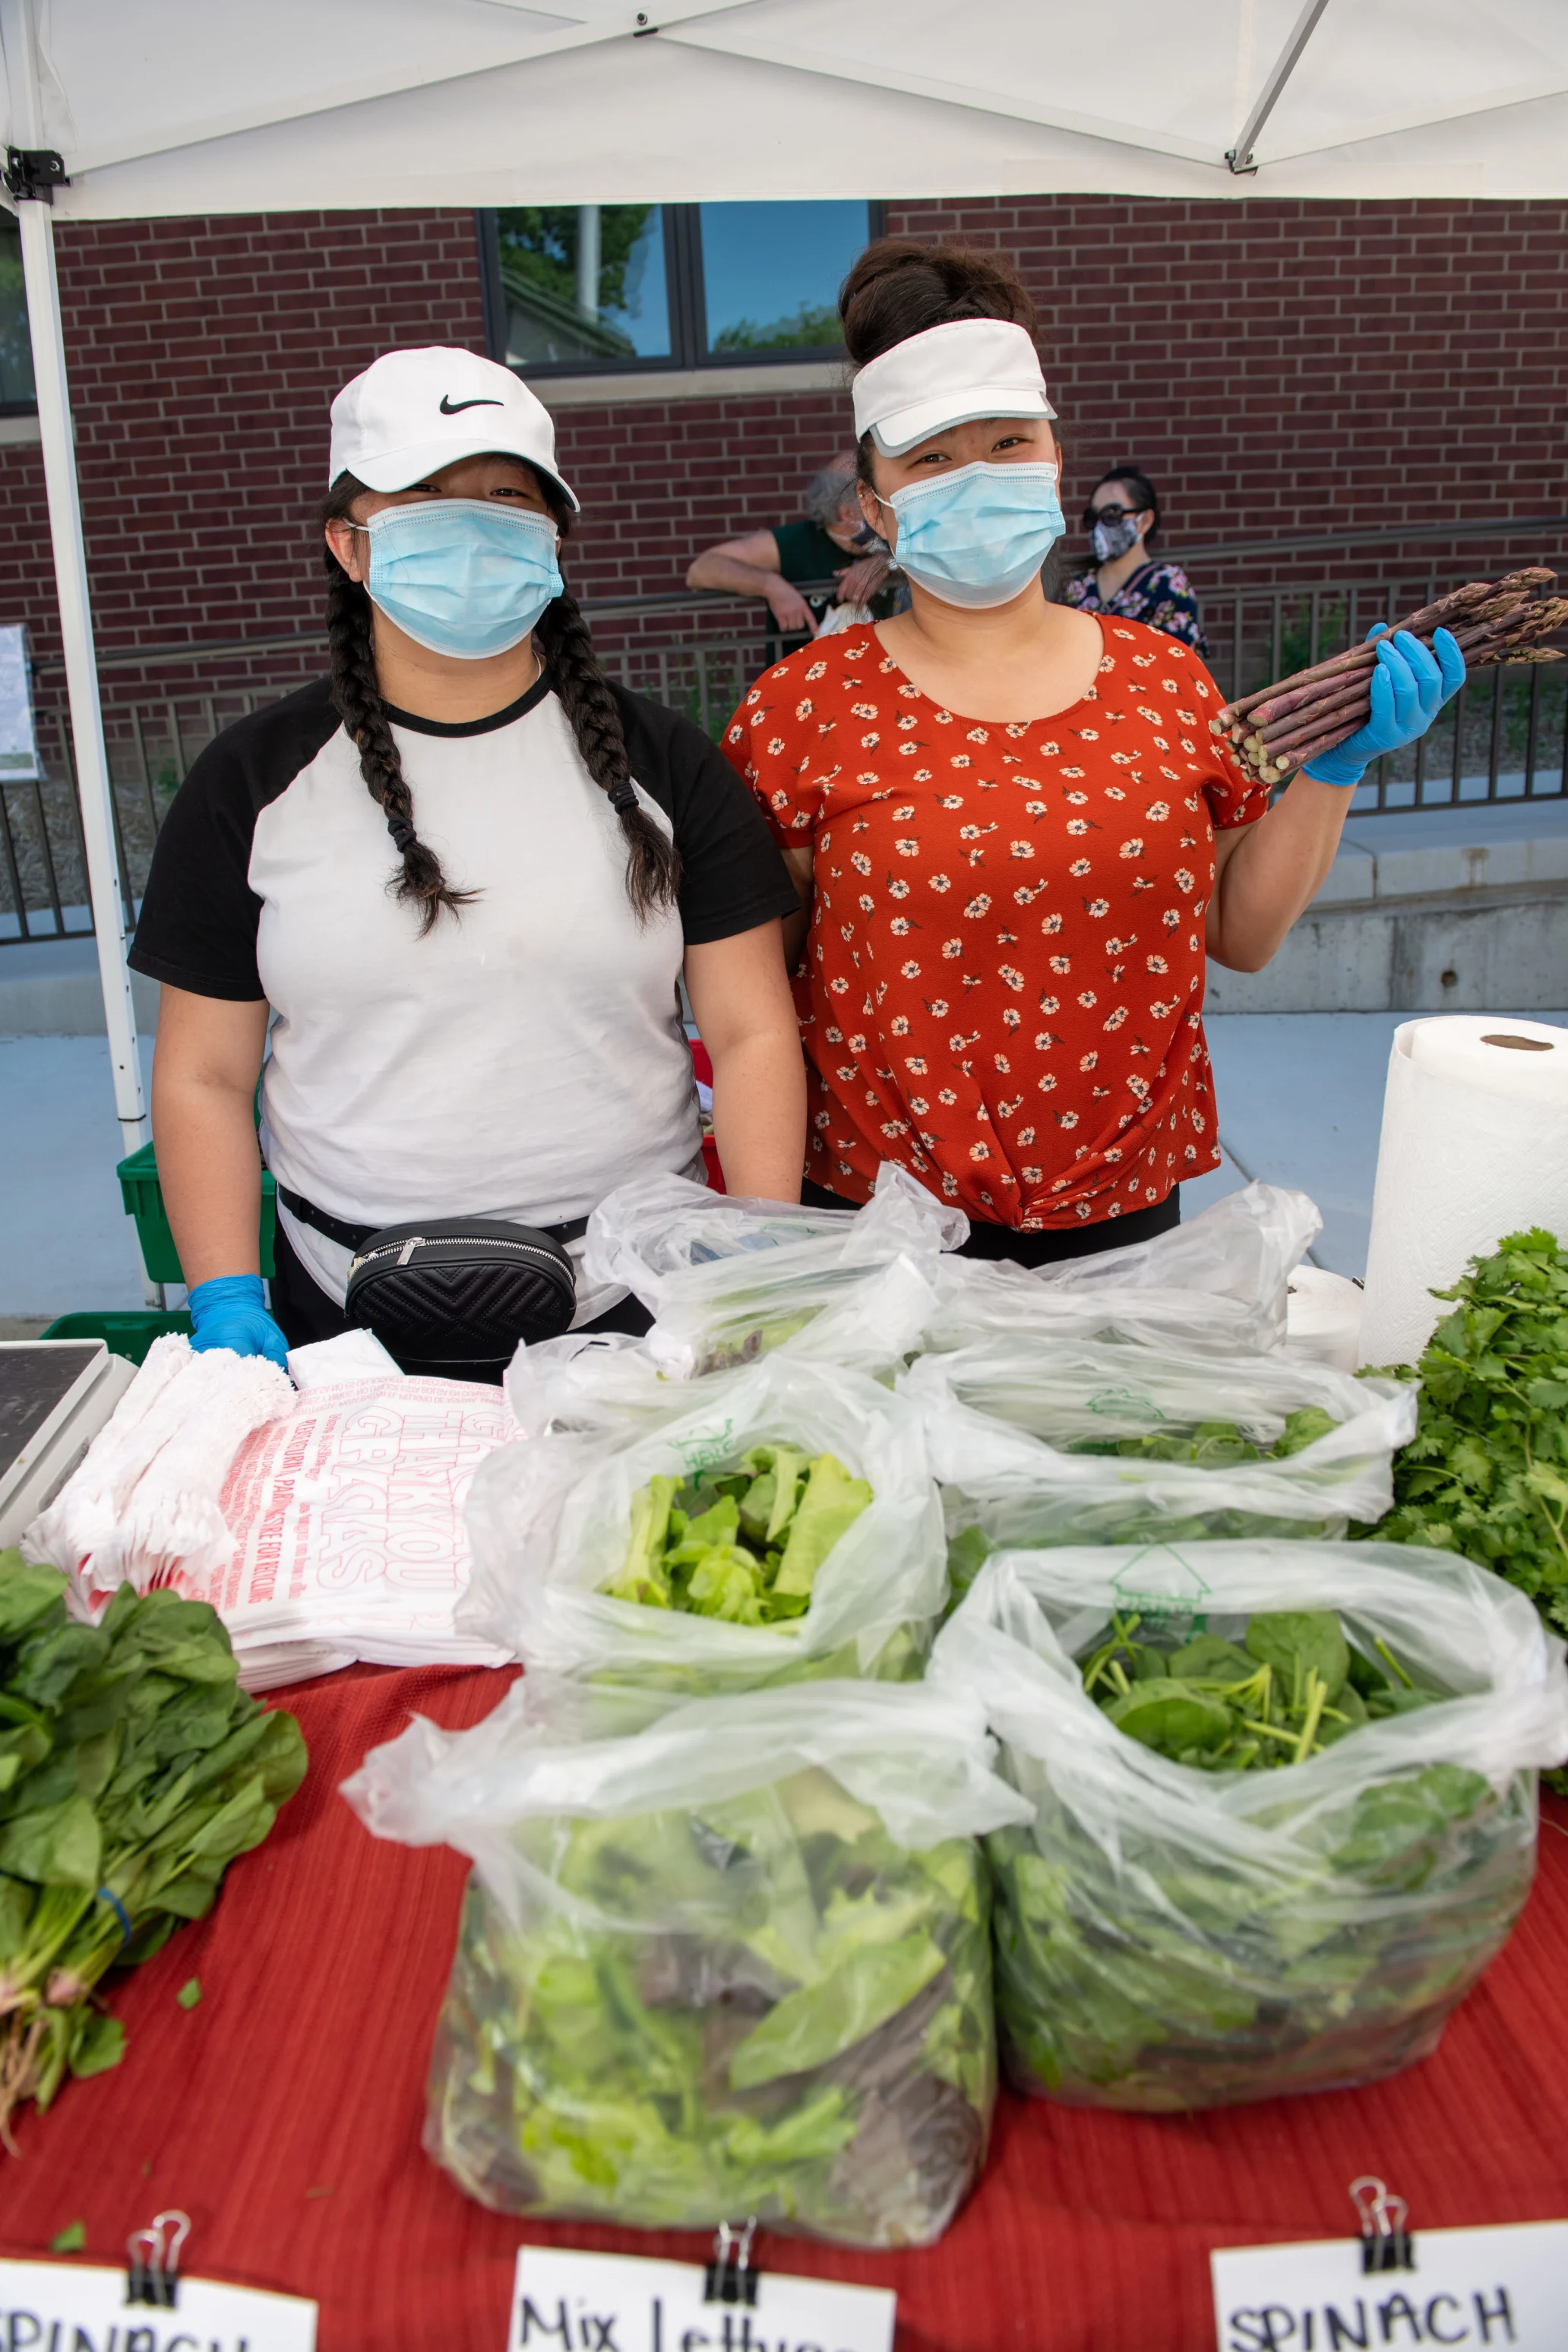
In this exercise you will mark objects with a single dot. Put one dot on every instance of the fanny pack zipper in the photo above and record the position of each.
(402, 1251)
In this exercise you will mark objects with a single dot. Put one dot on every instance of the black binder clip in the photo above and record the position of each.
(730, 2276)
(1385, 2244)
(154, 2271)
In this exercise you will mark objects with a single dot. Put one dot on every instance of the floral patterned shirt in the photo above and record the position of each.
(1003, 982)
(1158, 594)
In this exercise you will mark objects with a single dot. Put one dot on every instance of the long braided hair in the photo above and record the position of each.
(653, 872)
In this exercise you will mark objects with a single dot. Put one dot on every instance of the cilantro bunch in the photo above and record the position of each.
(762, 2004)
(745, 1544)
(132, 1770)
(1487, 1472)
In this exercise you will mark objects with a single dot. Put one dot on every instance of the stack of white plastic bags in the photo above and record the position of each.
(324, 1523)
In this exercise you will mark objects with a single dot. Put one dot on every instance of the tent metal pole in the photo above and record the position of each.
(1239, 157)
(36, 222)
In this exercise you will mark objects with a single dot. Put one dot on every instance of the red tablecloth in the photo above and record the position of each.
(283, 2113)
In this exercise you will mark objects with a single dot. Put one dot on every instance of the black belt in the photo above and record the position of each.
(354, 1238)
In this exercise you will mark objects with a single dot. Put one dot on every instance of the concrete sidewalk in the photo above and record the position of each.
(1300, 1103)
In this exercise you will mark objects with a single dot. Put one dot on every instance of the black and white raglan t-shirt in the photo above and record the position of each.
(519, 1062)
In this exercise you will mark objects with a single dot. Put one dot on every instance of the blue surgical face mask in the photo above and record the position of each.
(463, 576)
(977, 537)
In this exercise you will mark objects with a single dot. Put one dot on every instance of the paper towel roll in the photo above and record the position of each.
(1322, 1318)
(1473, 1146)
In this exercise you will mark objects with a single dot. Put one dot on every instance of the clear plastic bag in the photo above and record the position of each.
(732, 1280)
(1010, 1419)
(550, 1525)
(1171, 1938)
(737, 1965)
(1217, 1282)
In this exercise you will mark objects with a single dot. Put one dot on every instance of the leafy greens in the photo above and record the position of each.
(1486, 1471)
(765, 2007)
(132, 1772)
(745, 1544)
(1167, 1969)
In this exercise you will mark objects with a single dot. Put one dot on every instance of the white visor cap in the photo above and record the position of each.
(948, 375)
(411, 412)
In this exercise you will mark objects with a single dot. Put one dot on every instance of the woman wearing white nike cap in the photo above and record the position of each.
(476, 1035)
(1012, 828)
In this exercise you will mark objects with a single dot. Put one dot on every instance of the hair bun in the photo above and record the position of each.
(898, 287)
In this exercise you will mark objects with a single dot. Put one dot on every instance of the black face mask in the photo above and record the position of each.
(1114, 532)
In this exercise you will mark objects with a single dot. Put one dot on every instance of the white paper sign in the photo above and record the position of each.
(81, 2307)
(18, 740)
(1507, 2286)
(565, 2300)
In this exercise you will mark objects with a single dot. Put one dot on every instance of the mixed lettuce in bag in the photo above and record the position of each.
(742, 1541)
(1186, 1922)
(737, 1964)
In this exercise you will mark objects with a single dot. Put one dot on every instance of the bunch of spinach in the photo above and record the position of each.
(742, 1544)
(1295, 1688)
(132, 1770)
(767, 2006)
(1160, 1970)
(1486, 1471)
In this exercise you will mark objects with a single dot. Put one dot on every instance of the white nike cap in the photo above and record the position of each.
(948, 375)
(411, 412)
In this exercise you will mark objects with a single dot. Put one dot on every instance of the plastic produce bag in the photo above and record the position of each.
(1217, 1282)
(550, 1522)
(729, 1280)
(143, 1507)
(737, 1965)
(1024, 1434)
(1169, 1936)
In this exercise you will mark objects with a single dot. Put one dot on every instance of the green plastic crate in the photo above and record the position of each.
(143, 1198)
(129, 1333)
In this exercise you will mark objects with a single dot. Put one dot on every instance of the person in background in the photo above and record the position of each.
(833, 541)
(1122, 519)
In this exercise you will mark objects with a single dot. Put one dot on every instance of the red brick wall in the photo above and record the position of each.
(1280, 368)
(203, 356)
(1277, 367)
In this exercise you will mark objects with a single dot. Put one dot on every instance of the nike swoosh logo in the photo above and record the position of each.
(456, 407)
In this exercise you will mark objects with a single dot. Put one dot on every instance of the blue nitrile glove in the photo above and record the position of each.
(229, 1312)
(1408, 689)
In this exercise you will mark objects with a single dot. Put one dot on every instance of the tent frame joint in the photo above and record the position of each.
(33, 173)
(1241, 167)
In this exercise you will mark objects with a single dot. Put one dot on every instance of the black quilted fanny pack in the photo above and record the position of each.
(443, 1291)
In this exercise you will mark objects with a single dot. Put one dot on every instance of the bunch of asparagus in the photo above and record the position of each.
(1282, 725)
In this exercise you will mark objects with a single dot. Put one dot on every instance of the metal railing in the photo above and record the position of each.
(1504, 738)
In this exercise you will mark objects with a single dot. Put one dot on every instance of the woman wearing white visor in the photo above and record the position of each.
(462, 876)
(1014, 835)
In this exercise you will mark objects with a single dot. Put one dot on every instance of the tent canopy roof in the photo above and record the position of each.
(165, 107)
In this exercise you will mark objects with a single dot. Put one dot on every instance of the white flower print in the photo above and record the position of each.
(1087, 998)
(1184, 878)
(1021, 849)
(951, 948)
(939, 882)
(1133, 848)
(908, 849)
(978, 906)
(910, 971)
(945, 1094)
(1080, 865)
(1089, 1061)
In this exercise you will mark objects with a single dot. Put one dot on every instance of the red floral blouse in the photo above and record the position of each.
(1003, 983)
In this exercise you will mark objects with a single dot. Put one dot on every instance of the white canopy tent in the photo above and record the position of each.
(141, 109)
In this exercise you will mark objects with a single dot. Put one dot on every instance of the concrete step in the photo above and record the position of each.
(1435, 911)
(50, 988)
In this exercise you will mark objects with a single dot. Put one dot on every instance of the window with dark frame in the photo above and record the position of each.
(17, 396)
(580, 289)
